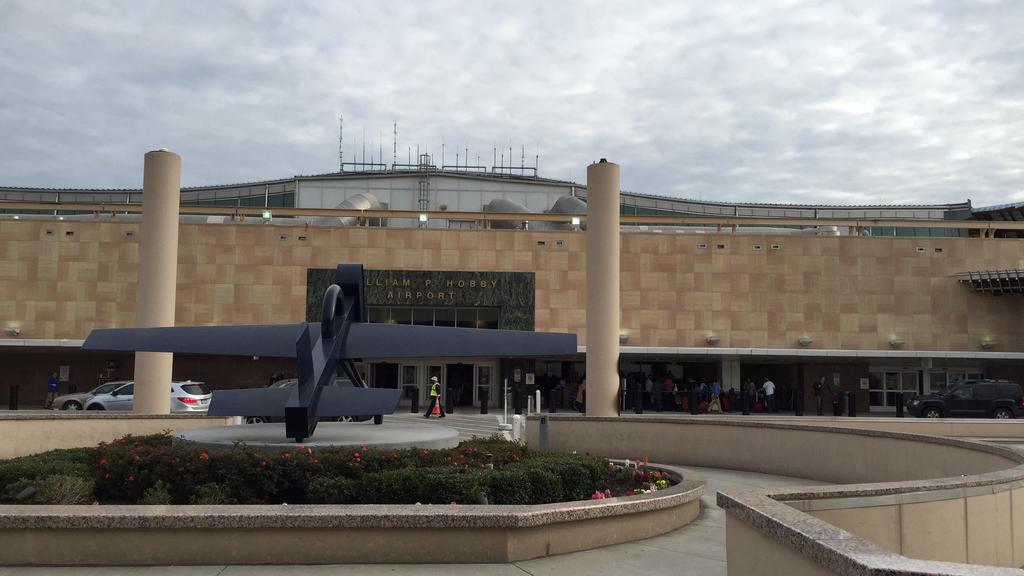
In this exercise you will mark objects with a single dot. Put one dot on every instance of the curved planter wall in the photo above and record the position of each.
(317, 534)
(926, 497)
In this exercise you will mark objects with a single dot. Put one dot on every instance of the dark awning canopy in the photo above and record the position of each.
(996, 282)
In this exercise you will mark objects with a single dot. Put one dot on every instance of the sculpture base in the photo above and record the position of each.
(271, 437)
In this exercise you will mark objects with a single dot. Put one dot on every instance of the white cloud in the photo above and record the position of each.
(863, 102)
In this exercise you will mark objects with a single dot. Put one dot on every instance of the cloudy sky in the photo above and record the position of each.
(862, 101)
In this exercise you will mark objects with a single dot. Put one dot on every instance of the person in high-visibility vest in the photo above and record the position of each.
(435, 398)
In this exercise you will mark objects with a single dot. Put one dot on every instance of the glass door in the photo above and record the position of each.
(483, 378)
(884, 385)
(408, 380)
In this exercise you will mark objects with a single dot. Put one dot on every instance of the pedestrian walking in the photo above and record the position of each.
(435, 398)
(769, 395)
(52, 387)
(820, 387)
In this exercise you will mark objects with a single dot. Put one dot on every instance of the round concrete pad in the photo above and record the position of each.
(328, 434)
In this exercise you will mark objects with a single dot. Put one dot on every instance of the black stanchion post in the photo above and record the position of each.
(694, 400)
(414, 406)
(798, 401)
(484, 399)
(12, 398)
(552, 396)
(899, 404)
(745, 403)
(517, 400)
(638, 400)
(449, 402)
(851, 404)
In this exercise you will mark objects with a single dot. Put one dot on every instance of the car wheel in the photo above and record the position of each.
(932, 412)
(346, 419)
(378, 419)
(95, 407)
(71, 405)
(255, 420)
(1002, 413)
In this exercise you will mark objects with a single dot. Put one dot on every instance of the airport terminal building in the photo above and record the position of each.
(877, 299)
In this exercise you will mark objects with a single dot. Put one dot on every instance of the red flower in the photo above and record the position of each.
(356, 455)
(314, 461)
(103, 462)
(204, 456)
(131, 477)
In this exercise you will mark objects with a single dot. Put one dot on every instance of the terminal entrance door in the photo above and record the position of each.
(883, 386)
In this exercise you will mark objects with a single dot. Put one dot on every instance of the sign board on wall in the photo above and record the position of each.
(517, 375)
(529, 378)
(65, 373)
(835, 379)
(864, 384)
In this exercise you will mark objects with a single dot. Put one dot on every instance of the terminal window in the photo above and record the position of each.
(450, 316)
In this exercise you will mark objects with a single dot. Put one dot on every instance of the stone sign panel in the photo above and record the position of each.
(512, 293)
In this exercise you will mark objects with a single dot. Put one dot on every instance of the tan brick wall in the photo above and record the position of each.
(843, 292)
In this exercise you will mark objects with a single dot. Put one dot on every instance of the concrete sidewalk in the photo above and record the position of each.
(697, 549)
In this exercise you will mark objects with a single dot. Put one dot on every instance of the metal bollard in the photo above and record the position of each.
(851, 404)
(543, 442)
(449, 401)
(694, 400)
(552, 397)
(12, 401)
(414, 406)
(484, 398)
(745, 402)
(899, 404)
(638, 400)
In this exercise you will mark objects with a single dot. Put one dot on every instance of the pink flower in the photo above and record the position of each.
(103, 462)
(131, 477)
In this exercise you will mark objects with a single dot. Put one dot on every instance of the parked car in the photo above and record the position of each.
(186, 396)
(291, 382)
(77, 401)
(971, 399)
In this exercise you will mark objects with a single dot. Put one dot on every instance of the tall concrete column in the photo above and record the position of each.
(603, 313)
(158, 276)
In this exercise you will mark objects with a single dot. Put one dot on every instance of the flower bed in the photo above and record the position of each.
(153, 470)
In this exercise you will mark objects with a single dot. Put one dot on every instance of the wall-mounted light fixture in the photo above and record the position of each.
(805, 341)
(712, 340)
(896, 342)
(267, 215)
(575, 222)
(988, 344)
(12, 331)
(623, 337)
(423, 217)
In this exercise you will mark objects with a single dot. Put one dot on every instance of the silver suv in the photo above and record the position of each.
(186, 396)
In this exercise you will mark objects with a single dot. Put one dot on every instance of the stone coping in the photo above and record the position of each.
(1009, 453)
(346, 516)
(97, 415)
(839, 551)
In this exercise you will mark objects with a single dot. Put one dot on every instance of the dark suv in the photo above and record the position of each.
(971, 399)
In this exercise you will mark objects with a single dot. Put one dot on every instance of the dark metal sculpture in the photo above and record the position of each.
(340, 338)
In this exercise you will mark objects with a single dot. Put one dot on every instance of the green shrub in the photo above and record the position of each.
(545, 486)
(17, 474)
(337, 490)
(212, 493)
(509, 486)
(156, 494)
(63, 489)
(423, 485)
